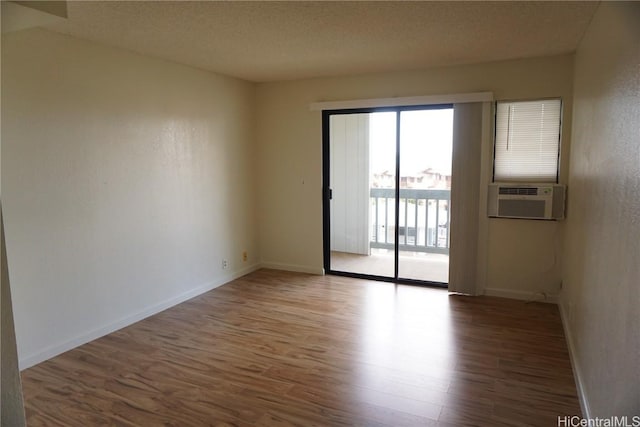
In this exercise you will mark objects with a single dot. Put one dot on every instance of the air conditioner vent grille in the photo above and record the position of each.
(519, 191)
(544, 201)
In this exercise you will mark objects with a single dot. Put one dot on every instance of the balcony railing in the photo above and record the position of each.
(424, 220)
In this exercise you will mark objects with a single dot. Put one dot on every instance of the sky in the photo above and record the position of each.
(425, 141)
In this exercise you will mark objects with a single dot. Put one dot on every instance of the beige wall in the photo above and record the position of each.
(125, 182)
(524, 256)
(11, 402)
(601, 296)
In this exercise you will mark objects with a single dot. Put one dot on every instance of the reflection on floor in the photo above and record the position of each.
(412, 265)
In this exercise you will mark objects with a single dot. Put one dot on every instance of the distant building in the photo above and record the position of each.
(425, 179)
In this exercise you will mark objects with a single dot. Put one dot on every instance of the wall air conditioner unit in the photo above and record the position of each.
(526, 201)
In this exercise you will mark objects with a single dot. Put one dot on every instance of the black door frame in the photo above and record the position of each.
(326, 193)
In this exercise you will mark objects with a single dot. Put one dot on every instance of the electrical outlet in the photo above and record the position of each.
(225, 264)
(245, 257)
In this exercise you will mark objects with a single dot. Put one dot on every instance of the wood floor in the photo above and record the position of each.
(280, 349)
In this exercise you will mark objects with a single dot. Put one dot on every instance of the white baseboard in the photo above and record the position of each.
(582, 395)
(56, 349)
(521, 295)
(292, 267)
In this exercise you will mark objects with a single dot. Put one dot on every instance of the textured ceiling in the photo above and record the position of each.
(269, 41)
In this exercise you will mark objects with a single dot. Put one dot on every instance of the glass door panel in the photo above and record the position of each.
(362, 177)
(425, 187)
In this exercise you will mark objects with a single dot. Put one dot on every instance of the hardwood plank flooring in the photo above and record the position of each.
(286, 349)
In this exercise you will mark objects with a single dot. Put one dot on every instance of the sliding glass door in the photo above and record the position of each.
(387, 180)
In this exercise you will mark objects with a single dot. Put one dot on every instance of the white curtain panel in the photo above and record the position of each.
(465, 198)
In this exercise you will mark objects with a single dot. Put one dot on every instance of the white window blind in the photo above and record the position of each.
(527, 140)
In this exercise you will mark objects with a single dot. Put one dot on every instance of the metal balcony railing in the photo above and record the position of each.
(423, 222)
